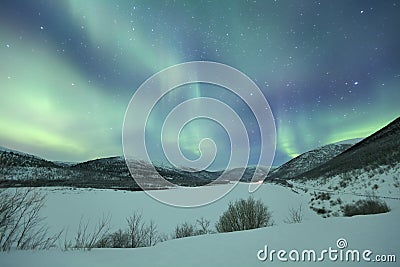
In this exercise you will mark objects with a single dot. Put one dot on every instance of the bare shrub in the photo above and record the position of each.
(140, 233)
(137, 234)
(184, 230)
(323, 196)
(201, 227)
(136, 230)
(371, 205)
(244, 215)
(21, 225)
(87, 239)
(295, 215)
(119, 239)
(152, 235)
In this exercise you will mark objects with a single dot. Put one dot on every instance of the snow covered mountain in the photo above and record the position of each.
(308, 161)
(21, 169)
(261, 174)
(374, 152)
(370, 168)
(380, 150)
(9, 157)
(15, 165)
(116, 168)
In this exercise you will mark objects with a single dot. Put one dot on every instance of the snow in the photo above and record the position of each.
(383, 182)
(309, 160)
(64, 208)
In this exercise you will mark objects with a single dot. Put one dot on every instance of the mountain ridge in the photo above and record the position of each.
(308, 160)
(380, 148)
(327, 161)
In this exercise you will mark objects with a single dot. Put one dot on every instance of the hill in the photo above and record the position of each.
(379, 149)
(308, 161)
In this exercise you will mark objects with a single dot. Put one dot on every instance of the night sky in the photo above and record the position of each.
(330, 70)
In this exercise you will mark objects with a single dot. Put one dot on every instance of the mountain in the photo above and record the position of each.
(248, 173)
(112, 168)
(370, 168)
(116, 168)
(309, 160)
(21, 169)
(15, 165)
(10, 158)
(379, 149)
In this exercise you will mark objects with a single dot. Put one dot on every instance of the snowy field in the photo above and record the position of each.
(66, 207)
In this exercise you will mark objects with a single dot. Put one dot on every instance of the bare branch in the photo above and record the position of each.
(295, 215)
(21, 225)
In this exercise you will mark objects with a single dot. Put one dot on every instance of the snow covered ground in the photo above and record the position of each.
(65, 208)
(383, 182)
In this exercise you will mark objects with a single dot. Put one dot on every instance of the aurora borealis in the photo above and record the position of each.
(330, 70)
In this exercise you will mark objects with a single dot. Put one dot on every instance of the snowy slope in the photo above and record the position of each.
(15, 165)
(308, 161)
(381, 148)
(378, 233)
(10, 158)
(330, 194)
